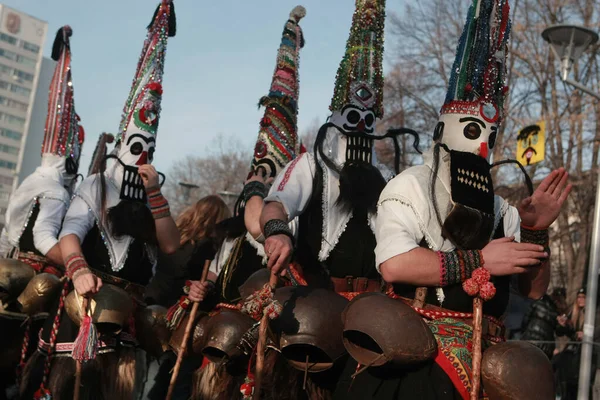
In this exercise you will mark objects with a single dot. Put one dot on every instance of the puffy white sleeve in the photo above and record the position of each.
(4, 244)
(396, 229)
(79, 220)
(47, 224)
(293, 186)
(399, 227)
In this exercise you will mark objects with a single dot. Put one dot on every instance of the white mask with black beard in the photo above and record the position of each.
(136, 149)
(467, 133)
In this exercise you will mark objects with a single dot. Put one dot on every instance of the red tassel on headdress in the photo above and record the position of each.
(86, 344)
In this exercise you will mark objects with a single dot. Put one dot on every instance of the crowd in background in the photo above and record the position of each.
(557, 329)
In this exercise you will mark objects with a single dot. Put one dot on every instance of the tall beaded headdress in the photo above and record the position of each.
(63, 135)
(359, 79)
(142, 107)
(477, 81)
(278, 142)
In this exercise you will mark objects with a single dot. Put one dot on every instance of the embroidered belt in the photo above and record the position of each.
(356, 285)
(37, 262)
(135, 290)
(491, 327)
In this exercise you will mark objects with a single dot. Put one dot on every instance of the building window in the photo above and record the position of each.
(8, 54)
(20, 90)
(6, 180)
(10, 134)
(26, 76)
(10, 103)
(8, 39)
(4, 195)
(11, 119)
(8, 165)
(9, 149)
(30, 62)
(34, 48)
(17, 105)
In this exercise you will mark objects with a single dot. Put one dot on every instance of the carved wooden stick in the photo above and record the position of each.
(186, 336)
(260, 346)
(477, 328)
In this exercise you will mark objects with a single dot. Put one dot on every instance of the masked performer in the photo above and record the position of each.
(34, 217)
(242, 254)
(439, 222)
(109, 240)
(37, 208)
(334, 192)
(278, 144)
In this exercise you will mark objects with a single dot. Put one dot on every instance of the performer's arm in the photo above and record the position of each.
(401, 260)
(537, 213)
(255, 190)
(78, 222)
(46, 228)
(288, 198)
(166, 229)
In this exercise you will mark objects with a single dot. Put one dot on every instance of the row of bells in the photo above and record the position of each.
(316, 328)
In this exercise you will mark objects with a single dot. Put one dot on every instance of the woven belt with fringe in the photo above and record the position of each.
(37, 262)
(135, 290)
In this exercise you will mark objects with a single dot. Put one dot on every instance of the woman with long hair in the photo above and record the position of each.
(200, 238)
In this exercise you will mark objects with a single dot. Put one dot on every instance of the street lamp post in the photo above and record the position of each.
(568, 43)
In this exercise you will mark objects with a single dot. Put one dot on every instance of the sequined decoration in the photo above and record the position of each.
(363, 60)
(478, 78)
(277, 142)
(62, 135)
(149, 71)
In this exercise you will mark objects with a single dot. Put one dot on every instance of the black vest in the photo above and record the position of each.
(353, 255)
(137, 268)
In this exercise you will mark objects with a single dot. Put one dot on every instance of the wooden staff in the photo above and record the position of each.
(260, 346)
(477, 328)
(186, 336)
(78, 363)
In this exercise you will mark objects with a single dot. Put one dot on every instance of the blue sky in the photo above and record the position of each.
(217, 67)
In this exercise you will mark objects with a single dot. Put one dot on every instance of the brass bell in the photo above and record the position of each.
(151, 329)
(517, 371)
(110, 308)
(39, 294)
(223, 334)
(378, 329)
(255, 282)
(14, 277)
(177, 335)
(310, 327)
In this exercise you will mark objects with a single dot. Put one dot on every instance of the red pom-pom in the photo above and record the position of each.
(470, 287)
(468, 88)
(247, 389)
(42, 394)
(487, 291)
(481, 276)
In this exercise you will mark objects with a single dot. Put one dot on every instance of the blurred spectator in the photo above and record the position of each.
(566, 363)
(541, 322)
